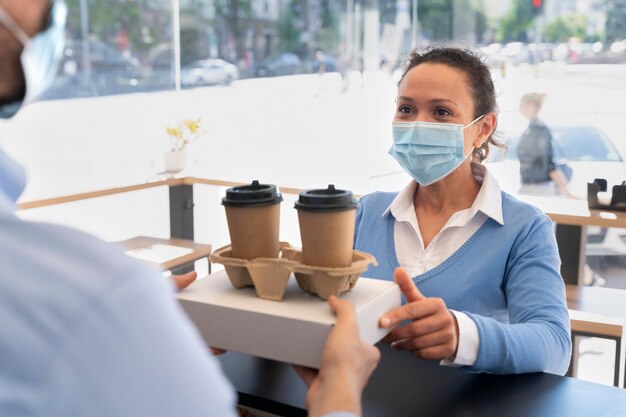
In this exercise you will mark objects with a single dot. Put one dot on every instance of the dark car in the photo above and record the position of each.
(110, 71)
(283, 64)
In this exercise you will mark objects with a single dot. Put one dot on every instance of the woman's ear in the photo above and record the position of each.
(486, 128)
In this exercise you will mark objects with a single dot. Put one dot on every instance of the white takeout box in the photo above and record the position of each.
(293, 330)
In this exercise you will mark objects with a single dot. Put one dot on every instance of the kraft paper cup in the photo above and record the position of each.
(253, 216)
(327, 218)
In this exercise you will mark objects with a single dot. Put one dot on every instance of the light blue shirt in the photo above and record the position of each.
(88, 331)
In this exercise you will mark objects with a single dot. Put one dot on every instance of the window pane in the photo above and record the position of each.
(114, 47)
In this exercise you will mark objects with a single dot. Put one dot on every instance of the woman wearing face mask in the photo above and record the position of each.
(490, 294)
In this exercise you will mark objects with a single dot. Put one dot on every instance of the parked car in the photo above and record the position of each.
(208, 72)
(590, 154)
(111, 71)
(283, 64)
(492, 54)
(515, 53)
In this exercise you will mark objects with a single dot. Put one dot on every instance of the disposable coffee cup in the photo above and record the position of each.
(327, 218)
(253, 216)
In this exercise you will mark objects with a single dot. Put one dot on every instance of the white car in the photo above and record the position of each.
(590, 154)
(208, 72)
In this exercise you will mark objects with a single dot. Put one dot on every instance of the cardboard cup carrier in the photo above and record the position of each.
(327, 264)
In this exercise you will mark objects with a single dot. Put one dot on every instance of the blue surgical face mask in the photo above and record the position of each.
(40, 57)
(429, 151)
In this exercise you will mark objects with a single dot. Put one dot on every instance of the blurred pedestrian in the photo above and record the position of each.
(538, 171)
(344, 71)
(362, 70)
(320, 59)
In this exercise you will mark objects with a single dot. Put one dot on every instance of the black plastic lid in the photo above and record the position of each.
(253, 195)
(329, 199)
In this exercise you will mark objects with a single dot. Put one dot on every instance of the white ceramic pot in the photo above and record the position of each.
(174, 161)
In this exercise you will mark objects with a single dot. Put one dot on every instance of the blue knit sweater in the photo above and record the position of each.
(505, 277)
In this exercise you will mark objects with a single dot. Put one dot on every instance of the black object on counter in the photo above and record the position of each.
(618, 195)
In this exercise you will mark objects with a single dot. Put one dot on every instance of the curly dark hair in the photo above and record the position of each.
(480, 82)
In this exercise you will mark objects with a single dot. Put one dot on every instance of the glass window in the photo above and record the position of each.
(115, 47)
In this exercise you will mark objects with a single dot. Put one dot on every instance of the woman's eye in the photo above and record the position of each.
(442, 112)
(405, 109)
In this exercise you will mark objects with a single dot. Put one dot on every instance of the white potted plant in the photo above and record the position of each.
(185, 132)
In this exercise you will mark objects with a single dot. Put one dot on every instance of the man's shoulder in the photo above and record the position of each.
(52, 278)
(51, 273)
(60, 250)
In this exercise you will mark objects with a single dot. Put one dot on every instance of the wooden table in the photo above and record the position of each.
(609, 305)
(198, 250)
(572, 218)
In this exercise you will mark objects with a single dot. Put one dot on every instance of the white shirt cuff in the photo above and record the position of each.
(469, 340)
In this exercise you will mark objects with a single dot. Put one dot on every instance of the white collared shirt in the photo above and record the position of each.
(417, 260)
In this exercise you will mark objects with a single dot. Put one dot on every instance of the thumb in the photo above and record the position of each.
(407, 286)
(343, 310)
(185, 280)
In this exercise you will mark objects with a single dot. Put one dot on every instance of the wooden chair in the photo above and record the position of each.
(155, 250)
(597, 312)
(594, 325)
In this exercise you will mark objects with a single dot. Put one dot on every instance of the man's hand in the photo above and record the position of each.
(347, 364)
(184, 280)
(433, 332)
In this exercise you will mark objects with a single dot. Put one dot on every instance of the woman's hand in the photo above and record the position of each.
(433, 332)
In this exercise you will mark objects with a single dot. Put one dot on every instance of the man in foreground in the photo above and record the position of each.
(87, 330)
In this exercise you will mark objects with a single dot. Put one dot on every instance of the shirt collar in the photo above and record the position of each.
(12, 179)
(403, 202)
(488, 200)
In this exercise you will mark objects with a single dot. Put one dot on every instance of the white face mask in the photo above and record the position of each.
(427, 151)
(40, 57)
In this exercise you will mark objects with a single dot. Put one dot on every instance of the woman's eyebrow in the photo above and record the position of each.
(405, 98)
(434, 100)
(443, 100)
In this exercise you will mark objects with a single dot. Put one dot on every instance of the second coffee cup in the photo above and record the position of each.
(327, 218)
(253, 216)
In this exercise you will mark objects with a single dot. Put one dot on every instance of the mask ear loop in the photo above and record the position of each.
(466, 126)
(473, 121)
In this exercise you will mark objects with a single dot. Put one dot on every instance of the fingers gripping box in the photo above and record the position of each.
(293, 330)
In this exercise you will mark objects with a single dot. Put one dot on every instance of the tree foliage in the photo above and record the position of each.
(288, 31)
(436, 17)
(563, 28)
(615, 20)
(235, 13)
(108, 17)
(329, 30)
(515, 24)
